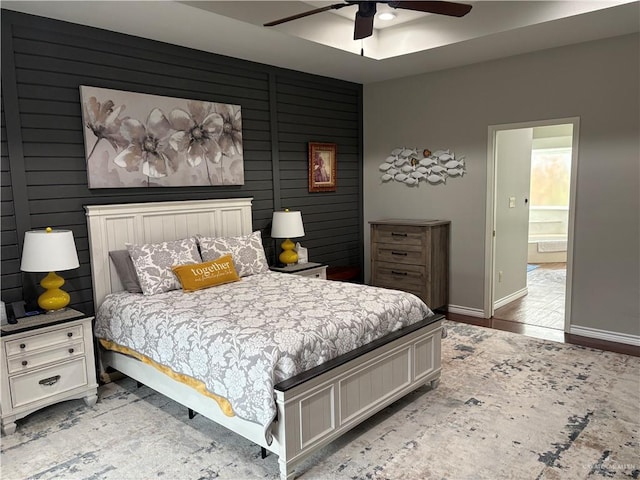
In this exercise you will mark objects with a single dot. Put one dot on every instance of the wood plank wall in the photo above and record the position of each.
(44, 180)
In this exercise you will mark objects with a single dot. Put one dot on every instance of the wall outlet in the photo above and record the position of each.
(500, 276)
(512, 202)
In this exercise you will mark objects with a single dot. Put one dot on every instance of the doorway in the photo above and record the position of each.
(530, 222)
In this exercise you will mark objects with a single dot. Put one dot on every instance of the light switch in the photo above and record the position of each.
(512, 202)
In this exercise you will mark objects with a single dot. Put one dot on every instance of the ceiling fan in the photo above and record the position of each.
(367, 10)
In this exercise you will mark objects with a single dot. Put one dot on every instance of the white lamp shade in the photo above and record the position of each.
(49, 251)
(287, 225)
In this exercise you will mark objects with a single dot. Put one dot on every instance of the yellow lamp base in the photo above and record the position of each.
(53, 298)
(288, 255)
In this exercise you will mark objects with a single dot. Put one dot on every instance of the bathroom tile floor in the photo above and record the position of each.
(543, 306)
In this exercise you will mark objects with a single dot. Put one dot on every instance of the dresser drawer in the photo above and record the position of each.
(401, 277)
(399, 234)
(47, 339)
(27, 361)
(46, 382)
(406, 254)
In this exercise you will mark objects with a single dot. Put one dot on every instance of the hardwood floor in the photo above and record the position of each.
(540, 313)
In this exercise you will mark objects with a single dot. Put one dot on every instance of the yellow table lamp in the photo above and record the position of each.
(287, 225)
(50, 251)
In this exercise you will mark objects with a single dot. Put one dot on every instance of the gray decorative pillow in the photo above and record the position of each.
(247, 252)
(153, 262)
(125, 270)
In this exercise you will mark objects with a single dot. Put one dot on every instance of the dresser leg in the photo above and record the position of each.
(8, 428)
(90, 400)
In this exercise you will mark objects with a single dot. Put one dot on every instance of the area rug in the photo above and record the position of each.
(507, 407)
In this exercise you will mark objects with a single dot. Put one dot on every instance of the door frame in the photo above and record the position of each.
(489, 267)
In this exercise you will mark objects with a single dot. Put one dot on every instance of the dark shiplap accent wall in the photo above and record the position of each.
(44, 179)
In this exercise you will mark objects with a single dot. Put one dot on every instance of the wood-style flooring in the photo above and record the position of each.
(540, 313)
(543, 305)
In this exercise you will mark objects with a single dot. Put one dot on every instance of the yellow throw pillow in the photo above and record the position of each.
(208, 274)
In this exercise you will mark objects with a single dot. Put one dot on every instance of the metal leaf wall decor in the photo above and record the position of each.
(412, 167)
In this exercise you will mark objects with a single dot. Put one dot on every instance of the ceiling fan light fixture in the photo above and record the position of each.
(367, 11)
(386, 16)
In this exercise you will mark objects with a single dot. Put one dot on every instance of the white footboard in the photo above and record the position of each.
(318, 406)
(315, 411)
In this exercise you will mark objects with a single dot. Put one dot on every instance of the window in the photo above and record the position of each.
(550, 177)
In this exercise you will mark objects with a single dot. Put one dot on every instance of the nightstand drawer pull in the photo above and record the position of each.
(70, 334)
(24, 363)
(22, 345)
(404, 254)
(71, 350)
(399, 273)
(49, 381)
(394, 234)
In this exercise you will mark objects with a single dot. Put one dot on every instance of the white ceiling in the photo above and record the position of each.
(323, 43)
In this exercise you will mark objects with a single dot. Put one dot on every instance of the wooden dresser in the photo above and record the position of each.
(412, 255)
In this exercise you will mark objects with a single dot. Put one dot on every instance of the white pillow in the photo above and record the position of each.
(247, 252)
(153, 262)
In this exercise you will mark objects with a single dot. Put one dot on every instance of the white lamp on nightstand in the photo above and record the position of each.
(287, 225)
(50, 251)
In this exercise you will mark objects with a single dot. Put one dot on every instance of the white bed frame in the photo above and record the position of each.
(314, 408)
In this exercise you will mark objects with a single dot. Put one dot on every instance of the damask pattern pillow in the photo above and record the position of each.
(153, 262)
(247, 252)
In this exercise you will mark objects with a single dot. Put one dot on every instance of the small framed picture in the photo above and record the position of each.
(322, 167)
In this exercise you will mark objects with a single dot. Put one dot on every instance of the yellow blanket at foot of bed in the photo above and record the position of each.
(223, 403)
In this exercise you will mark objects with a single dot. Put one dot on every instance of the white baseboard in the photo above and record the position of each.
(470, 312)
(605, 335)
(510, 298)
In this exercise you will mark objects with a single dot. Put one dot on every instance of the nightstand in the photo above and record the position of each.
(317, 270)
(46, 359)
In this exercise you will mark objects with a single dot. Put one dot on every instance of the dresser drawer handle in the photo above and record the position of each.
(399, 273)
(23, 346)
(71, 350)
(49, 381)
(24, 363)
(70, 334)
(394, 234)
(404, 254)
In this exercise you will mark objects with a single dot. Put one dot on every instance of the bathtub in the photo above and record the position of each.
(547, 248)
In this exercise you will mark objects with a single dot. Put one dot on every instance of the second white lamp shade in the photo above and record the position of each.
(287, 224)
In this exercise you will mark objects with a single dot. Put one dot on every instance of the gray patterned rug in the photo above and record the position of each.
(508, 407)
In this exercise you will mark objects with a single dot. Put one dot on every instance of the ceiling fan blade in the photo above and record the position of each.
(442, 8)
(363, 27)
(335, 6)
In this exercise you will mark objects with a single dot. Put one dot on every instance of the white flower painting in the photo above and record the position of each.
(139, 140)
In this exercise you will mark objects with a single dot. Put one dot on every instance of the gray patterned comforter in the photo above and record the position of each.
(242, 338)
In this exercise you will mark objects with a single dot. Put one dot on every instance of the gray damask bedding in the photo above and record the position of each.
(242, 338)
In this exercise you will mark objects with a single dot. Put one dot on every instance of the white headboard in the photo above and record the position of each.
(111, 226)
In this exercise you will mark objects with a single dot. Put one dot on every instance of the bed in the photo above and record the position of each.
(311, 407)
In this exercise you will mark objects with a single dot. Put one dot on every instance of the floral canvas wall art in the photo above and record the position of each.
(140, 140)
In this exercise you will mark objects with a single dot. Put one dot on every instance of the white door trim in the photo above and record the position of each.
(489, 264)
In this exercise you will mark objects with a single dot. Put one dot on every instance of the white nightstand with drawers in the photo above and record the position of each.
(45, 359)
(310, 269)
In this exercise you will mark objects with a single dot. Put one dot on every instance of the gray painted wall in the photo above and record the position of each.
(513, 180)
(596, 81)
